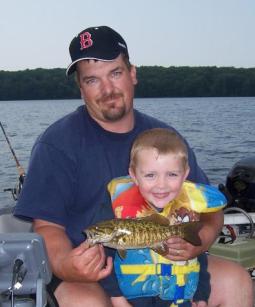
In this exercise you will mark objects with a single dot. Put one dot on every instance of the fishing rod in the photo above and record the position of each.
(15, 191)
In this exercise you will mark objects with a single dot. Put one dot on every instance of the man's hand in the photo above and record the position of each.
(80, 264)
(199, 304)
(85, 263)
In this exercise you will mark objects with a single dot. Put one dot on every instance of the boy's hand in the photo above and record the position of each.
(181, 250)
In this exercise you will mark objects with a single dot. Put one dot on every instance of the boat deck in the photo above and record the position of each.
(10, 224)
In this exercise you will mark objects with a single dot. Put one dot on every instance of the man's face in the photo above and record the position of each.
(107, 88)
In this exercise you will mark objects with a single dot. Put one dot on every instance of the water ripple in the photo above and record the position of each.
(220, 130)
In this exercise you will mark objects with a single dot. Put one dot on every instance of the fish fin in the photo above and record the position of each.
(122, 253)
(160, 249)
(191, 231)
(157, 218)
(116, 234)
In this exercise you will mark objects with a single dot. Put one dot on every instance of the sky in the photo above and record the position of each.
(37, 33)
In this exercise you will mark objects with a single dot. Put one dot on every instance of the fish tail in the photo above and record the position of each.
(190, 232)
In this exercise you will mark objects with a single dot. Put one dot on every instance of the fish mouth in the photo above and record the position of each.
(89, 237)
(94, 238)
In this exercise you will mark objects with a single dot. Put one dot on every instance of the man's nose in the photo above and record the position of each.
(107, 86)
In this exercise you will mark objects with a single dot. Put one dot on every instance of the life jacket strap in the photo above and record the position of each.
(162, 269)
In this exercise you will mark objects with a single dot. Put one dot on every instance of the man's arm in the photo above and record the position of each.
(212, 225)
(82, 263)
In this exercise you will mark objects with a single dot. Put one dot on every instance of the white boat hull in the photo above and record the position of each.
(9, 223)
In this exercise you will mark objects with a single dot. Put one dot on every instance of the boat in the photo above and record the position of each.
(24, 266)
(237, 240)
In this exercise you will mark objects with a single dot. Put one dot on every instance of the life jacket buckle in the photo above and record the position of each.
(164, 269)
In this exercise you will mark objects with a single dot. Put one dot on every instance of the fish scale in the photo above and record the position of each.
(141, 234)
(147, 232)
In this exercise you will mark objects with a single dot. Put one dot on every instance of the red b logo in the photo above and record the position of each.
(85, 40)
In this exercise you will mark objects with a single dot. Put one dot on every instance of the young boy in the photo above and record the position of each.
(158, 170)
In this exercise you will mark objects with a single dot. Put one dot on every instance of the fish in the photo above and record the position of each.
(138, 233)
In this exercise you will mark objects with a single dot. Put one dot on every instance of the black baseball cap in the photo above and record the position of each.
(99, 43)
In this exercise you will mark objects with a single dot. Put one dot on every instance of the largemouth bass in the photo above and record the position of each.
(136, 233)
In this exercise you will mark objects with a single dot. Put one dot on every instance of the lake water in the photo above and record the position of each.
(220, 130)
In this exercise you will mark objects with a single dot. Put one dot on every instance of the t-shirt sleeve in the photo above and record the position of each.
(45, 194)
(196, 174)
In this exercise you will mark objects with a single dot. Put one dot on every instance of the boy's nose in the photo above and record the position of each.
(161, 182)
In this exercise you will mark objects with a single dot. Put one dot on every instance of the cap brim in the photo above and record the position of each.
(72, 67)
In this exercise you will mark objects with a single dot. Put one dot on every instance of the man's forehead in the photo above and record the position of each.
(93, 64)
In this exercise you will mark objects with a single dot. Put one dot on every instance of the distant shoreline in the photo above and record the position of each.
(153, 82)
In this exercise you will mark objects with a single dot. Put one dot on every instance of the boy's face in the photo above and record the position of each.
(159, 177)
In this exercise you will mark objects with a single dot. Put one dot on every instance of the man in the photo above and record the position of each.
(71, 164)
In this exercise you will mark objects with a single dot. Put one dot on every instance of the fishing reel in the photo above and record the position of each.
(18, 187)
(16, 190)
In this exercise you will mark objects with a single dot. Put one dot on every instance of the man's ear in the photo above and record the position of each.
(133, 75)
(132, 175)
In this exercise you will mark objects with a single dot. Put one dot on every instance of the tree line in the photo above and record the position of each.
(153, 81)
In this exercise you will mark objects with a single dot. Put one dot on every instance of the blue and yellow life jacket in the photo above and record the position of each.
(145, 273)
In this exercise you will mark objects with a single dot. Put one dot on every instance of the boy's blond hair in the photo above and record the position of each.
(164, 140)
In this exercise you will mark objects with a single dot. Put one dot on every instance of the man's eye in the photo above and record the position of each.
(116, 74)
(91, 81)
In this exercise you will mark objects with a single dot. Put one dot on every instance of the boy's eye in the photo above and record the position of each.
(149, 175)
(170, 174)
